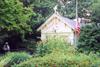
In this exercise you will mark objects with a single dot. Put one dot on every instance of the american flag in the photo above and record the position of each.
(77, 28)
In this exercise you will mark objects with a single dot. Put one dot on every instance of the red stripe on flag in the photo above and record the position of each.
(77, 29)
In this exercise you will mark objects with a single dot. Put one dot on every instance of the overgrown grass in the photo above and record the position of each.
(13, 58)
(53, 53)
(58, 53)
(59, 59)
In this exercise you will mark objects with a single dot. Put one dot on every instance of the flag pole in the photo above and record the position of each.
(76, 10)
(76, 21)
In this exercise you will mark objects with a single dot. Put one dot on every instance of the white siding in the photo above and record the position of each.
(57, 28)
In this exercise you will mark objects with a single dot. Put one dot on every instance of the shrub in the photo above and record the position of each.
(48, 47)
(62, 59)
(60, 54)
(13, 58)
(89, 39)
(30, 46)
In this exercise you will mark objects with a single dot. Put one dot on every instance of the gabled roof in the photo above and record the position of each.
(67, 21)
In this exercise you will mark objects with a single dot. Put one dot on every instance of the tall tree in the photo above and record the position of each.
(13, 16)
(43, 9)
(89, 39)
(68, 8)
(95, 11)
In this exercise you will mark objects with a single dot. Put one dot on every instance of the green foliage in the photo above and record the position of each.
(70, 8)
(43, 9)
(95, 11)
(84, 8)
(30, 46)
(14, 16)
(13, 58)
(89, 39)
(62, 55)
(54, 53)
(52, 44)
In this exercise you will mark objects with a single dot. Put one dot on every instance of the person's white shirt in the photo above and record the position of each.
(6, 47)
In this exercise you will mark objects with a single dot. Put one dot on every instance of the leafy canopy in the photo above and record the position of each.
(89, 38)
(96, 11)
(14, 16)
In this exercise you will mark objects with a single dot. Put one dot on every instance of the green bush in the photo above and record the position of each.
(30, 46)
(89, 39)
(48, 47)
(62, 59)
(57, 54)
(60, 54)
(13, 58)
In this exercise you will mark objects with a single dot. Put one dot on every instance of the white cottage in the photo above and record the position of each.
(58, 25)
